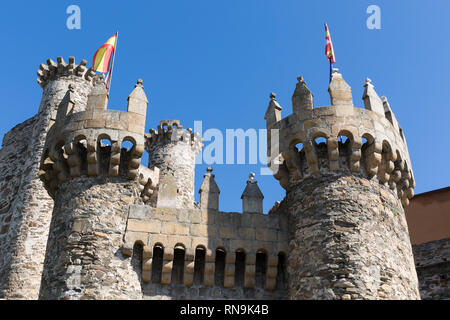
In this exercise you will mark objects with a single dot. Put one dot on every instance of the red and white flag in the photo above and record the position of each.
(329, 51)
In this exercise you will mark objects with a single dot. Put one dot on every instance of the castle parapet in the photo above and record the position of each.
(52, 70)
(90, 142)
(236, 250)
(339, 137)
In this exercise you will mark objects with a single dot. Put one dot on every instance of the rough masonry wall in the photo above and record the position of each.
(193, 228)
(433, 269)
(84, 259)
(349, 241)
(26, 205)
(24, 211)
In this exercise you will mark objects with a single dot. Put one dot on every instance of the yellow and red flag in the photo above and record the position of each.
(329, 51)
(102, 57)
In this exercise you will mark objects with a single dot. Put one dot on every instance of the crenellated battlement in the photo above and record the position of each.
(366, 141)
(53, 70)
(222, 236)
(90, 142)
(171, 131)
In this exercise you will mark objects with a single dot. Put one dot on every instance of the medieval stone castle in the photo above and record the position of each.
(82, 218)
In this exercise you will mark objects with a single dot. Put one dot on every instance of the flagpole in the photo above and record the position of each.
(331, 69)
(112, 66)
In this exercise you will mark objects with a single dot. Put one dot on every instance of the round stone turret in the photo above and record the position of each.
(173, 149)
(347, 176)
(55, 77)
(24, 252)
(93, 180)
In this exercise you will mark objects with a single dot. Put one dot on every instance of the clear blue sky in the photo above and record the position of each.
(217, 61)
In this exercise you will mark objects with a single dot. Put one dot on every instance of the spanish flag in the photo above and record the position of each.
(329, 51)
(102, 58)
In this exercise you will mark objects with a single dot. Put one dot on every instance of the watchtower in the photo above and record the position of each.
(173, 149)
(26, 208)
(347, 176)
(93, 180)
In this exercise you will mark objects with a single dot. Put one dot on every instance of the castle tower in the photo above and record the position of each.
(25, 205)
(348, 177)
(173, 149)
(93, 181)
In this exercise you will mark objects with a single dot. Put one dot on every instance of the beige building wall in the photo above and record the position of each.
(428, 216)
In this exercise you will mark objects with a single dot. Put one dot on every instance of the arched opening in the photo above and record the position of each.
(157, 262)
(104, 153)
(136, 258)
(345, 140)
(260, 269)
(199, 265)
(126, 149)
(80, 146)
(281, 272)
(219, 271)
(239, 269)
(178, 265)
(321, 147)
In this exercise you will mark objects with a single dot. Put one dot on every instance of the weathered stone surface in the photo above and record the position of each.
(432, 261)
(89, 264)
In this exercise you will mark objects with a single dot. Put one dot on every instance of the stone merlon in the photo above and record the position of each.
(252, 197)
(209, 192)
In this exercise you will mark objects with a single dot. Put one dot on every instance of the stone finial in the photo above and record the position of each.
(252, 197)
(273, 112)
(340, 91)
(371, 99)
(388, 113)
(98, 97)
(209, 191)
(302, 99)
(137, 100)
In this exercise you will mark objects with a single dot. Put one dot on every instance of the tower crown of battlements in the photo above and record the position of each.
(90, 142)
(52, 70)
(171, 131)
(365, 141)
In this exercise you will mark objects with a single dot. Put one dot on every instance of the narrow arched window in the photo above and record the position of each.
(178, 265)
(260, 269)
(239, 269)
(281, 272)
(199, 265)
(157, 262)
(219, 272)
(126, 148)
(104, 154)
(136, 258)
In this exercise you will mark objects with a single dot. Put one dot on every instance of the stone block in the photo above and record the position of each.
(133, 237)
(240, 244)
(195, 216)
(176, 239)
(208, 216)
(174, 228)
(228, 232)
(199, 241)
(165, 214)
(139, 212)
(246, 233)
(95, 123)
(152, 226)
